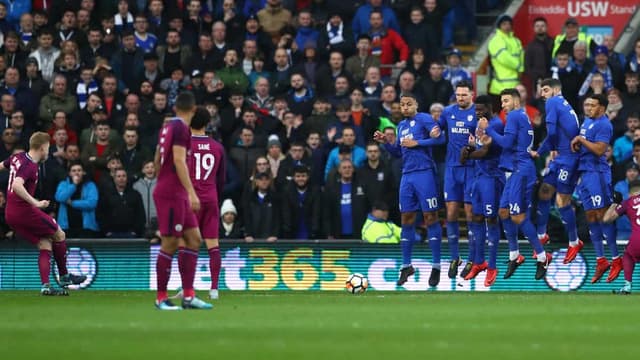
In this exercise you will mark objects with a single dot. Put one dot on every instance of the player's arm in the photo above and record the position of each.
(156, 159)
(507, 140)
(611, 215)
(616, 209)
(18, 188)
(393, 149)
(550, 139)
(599, 144)
(180, 163)
(434, 130)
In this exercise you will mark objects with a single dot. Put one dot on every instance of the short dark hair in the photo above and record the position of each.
(485, 100)
(510, 92)
(200, 118)
(185, 101)
(380, 205)
(378, 11)
(562, 52)
(126, 33)
(301, 169)
(540, 18)
(102, 123)
(551, 82)
(131, 128)
(601, 98)
(364, 37)
(635, 115)
(409, 95)
(45, 31)
(73, 163)
(465, 84)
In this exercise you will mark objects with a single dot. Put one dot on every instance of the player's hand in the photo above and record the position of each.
(552, 155)
(42, 204)
(617, 197)
(465, 153)
(408, 143)
(472, 140)
(194, 202)
(248, 239)
(379, 137)
(486, 140)
(576, 143)
(534, 154)
(483, 123)
(435, 132)
(272, 239)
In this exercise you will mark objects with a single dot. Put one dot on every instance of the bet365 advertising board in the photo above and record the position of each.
(291, 265)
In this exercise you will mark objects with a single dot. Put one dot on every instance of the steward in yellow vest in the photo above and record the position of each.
(507, 57)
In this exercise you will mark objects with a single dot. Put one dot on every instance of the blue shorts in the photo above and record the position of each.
(458, 183)
(486, 195)
(595, 190)
(517, 191)
(504, 200)
(563, 177)
(419, 191)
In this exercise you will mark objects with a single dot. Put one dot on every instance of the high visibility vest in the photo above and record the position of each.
(581, 37)
(507, 61)
(380, 232)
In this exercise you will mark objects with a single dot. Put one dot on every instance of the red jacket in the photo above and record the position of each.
(385, 47)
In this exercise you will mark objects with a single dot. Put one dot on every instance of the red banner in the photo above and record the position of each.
(597, 18)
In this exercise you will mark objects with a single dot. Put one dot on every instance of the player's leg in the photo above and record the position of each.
(408, 202)
(609, 230)
(215, 264)
(452, 202)
(59, 246)
(568, 216)
(510, 229)
(192, 242)
(467, 183)
(429, 204)
(519, 202)
(170, 223)
(545, 197)
(594, 220)
(630, 258)
(44, 268)
(493, 241)
(478, 227)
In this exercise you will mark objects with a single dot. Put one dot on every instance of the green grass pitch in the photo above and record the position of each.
(314, 325)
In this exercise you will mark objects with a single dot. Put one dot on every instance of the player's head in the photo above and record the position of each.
(550, 87)
(510, 99)
(634, 187)
(301, 176)
(408, 105)
(39, 146)
(185, 105)
(200, 118)
(484, 107)
(595, 105)
(380, 210)
(464, 94)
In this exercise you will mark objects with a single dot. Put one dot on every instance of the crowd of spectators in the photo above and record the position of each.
(294, 89)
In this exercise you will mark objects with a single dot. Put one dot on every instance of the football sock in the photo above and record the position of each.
(163, 272)
(530, 232)
(543, 216)
(453, 236)
(627, 286)
(407, 234)
(180, 258)
(188, 273)
(568, 217)
(44, 265)
(479, 238)
(60, 254)
(595, 230)
(609, 232)
(435, 241)
(511, 233)
(628, 264)
(472, 245)
(214, 266)
(494, 241)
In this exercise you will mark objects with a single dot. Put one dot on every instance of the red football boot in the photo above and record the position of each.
(572, 252)
(491, 277)
(601, 267)
(616, 268)
(476, 269)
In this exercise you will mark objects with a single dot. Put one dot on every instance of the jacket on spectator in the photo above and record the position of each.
(133, 159)
(358, 67)
(507, 61)
(380, 231)
(332, 217)
(122, 213)
(273, 18)
(51, 103)
(185, 55)
(383, 45)
(234, 78)
(361, 19)
(87, 203)
(117, 66)
(145, 188)
(244, 158)
(343, 42)
(25, 101)
(293, 213)
(262, 219)
(46, 61)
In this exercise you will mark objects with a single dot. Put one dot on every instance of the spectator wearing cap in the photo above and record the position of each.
(273, 18)
(57, 99)
(274, 154)
(537, 56)
(33, 80)
(128, 63)
(144, 40)
(262, 210)
(377, 228)
(301, 207)
(611, 79)
(77, 197)
(386, 43)
(174, 54)
(345, 204)
(151, 72)
(570, 36)
(507, 58)
(120, 210)
(232, 76)
(622, 186)
(361, 20)
(358, 65)
(254, 32)
(346, 143)
(229, 225)
(623, 146)
(453, 71)
(336, 36)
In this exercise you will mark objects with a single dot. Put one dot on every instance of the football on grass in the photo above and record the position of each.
(356, 283)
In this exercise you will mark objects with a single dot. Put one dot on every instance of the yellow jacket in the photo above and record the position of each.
(507, 61)
(581, 37)
(380, 231)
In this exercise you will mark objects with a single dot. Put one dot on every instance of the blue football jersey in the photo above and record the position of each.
(562, 127)
(419, 157)
(518, 137)
(489, 165)
(458, 124)
(595, 130)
